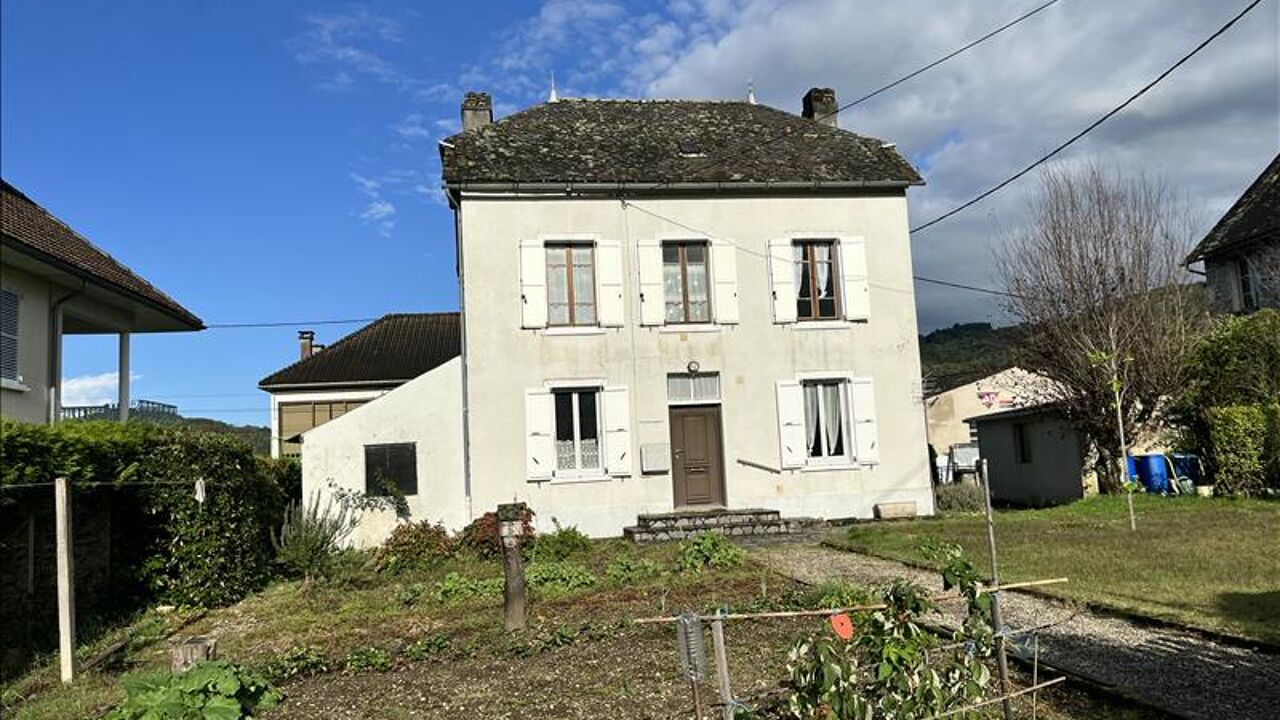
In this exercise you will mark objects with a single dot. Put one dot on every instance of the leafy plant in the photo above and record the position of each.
(455, 586)
(409, 595)
(558, 578)
(208, 691)
(483, 536)
(564, 542)
(368, 659)
(1237, 439)
(310, 536)
(427, 647)
(414, 545)
(708, 549)
(625, 570)
(843, 594)
(297, 661)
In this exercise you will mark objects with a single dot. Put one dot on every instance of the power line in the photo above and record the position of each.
(1045, 158)
(277, 324)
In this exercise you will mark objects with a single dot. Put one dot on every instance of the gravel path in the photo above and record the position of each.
(1180, 672)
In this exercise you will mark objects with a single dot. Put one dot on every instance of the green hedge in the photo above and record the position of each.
(1237, 436)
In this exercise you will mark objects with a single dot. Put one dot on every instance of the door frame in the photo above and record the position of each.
(718, 407)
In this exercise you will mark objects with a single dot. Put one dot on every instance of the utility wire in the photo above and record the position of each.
(1045, 158)
(227, 326)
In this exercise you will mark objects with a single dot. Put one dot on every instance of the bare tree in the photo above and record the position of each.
(1108, 310)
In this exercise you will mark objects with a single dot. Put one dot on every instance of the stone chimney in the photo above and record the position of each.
(477, 111)
(306, 343)
(820, 104)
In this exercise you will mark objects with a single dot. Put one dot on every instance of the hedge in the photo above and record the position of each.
(1237, 436)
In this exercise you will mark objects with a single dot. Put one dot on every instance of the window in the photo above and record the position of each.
(571, 284)
(693, 387)
(817, 280)
(1248, 286)
(826, 420)
(389, 469)
(296, 418)
(9, 335)
(1021, 443)
(685, 282)
(577, 419)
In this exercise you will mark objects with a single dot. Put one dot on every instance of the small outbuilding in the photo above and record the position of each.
(1034, 455)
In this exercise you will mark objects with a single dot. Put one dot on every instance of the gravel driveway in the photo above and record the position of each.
(1180, 672)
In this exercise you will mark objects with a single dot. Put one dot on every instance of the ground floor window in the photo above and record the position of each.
(826, 420)
(390, 469)
(577, 418)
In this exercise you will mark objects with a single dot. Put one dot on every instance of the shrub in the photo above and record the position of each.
(368, 658)
(959, 497)
(483, 535)
(285, 473)
(1271, 445)
(564, 542)
(842, 594)
(297, 661)
(426, 647)
(414, 545)
(310, 536)
(455, 586)
(558, 578)
(1237, 434)
(708, 549)
(625, 570)
(215, 690)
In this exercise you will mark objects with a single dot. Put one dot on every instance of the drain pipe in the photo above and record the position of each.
(55, 354)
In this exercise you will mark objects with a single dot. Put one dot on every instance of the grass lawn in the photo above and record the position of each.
(1212, 564)
(451, 658)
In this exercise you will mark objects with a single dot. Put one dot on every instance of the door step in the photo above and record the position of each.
(682, 524)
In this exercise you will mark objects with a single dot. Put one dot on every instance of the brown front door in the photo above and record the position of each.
(697, 464)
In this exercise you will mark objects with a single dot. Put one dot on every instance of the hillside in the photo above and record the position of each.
(965, 352)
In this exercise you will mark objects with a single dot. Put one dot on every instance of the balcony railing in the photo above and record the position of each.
(111, 411)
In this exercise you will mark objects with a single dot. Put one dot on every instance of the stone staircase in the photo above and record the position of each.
(683, 523)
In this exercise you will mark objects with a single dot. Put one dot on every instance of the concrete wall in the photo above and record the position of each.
(1222, 277)
(426, 411)
(503, 360)
(1053, 475)
(1002, 391)
(29, 400)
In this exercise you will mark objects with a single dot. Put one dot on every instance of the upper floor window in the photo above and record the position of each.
(9, 335)
(685, 280)
(571, 284)
(817, 280)
(1248, 286)
(826, 420)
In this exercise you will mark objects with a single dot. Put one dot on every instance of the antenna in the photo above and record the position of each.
(553, 96)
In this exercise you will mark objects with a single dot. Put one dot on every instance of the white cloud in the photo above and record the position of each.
(98, 389)
(341, 43)
(378, 210)
(411, 127)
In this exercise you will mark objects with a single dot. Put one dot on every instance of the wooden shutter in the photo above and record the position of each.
(533, 284)
(862, 396)
(724, 274)
(853, 270)
(539, 424)
(617, 431)
(652, 298)
(791, 443)
(782, 281)
(609, 278)
(9, 335)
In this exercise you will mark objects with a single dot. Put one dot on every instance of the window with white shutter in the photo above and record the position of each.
(609, 272)
(857, 289)
(539, 423)
(533, 284)
(782, 281)
(9, 302)
(649, 267)
(571, 284)
(866, 442)
(617, 431)
(791, 443)
(724, 272)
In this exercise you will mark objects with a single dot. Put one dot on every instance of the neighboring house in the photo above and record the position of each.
(1034, 455)
(1241, 253)
(949, 412)
(328, 382)
(54, 282)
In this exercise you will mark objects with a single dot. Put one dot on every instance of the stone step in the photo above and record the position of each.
(775, 526)
(686, 519)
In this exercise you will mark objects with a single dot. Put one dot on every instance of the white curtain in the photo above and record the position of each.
(831, 412)
(698, 290)
(822, 257)
(584, 287)
(813, 434)
(797, 265)
(557, 287)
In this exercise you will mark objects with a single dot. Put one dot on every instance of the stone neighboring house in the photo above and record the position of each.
(54, 282)
(328, 382)
(1241, 254)
(950, 412)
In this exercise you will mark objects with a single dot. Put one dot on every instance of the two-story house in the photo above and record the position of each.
(1241, 254)
(678, 305)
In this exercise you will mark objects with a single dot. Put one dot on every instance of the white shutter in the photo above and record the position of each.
(782, 280)
(862, 396)
(652, 300)
(609, 278)
(617, 431)
(9, 305)
(724, 274)
(853, 271)
(533, 284)
(539, 425)
(791, 424)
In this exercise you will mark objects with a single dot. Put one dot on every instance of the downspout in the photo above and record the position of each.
(55, 353)
(455, 201)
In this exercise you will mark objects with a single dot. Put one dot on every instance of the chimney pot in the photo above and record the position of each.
(306, 343)
(477, 111)
(820, 104)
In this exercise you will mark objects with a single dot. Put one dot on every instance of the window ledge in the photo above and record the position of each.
(824, 325)
(14, 385)
(690, 328)
(824, 467)
(576, 479)
(574, 330)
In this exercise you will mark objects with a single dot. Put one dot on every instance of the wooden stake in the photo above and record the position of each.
(697, 700)
(997, 620)
(66, 581)
(511, 518)
(722, 667)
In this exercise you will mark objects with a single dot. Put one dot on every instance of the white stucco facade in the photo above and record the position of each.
(27, 396)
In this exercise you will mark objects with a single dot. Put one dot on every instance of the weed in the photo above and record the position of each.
(708, 549)
(559, 578)
(564, 542)
(626, 570)
(455, 586)
(295, 662)
(427, 647)
(368, 658)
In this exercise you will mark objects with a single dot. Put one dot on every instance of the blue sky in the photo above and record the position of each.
(277, 161)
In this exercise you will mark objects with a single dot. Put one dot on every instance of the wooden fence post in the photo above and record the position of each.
(722, 667)
(997, 619)
(66, 580)
(511, 517)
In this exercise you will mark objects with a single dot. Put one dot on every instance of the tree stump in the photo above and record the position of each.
(511, 516)
(191, 651)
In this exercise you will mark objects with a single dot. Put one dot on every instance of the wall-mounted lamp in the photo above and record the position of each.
(693, 367)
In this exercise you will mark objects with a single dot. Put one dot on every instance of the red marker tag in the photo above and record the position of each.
(842, 625)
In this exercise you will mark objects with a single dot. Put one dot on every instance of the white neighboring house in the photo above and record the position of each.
(667, 305)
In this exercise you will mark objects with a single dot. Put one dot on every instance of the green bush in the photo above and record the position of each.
(427, 647)
(455, 586)
(414, 545)
(708, 549)
(298, 661)
(1237, 363)
(563, 543)
(842, 594)
(1237, 435)
(1271, 445)
(310, 536)
(558, 578)
(285, 473)
(960, 497)
(208, 691)
(368, 658)
(483, 535)
(625, 570)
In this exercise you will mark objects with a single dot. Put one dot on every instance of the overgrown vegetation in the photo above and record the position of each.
(959, 497)
(483, 535)
(208, 691)
(310, 536)
(708, 550)
(415, 545)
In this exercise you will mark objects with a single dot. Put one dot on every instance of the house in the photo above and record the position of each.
(326, 383)
(54, 282)
(666, 305)
(949, 410)
(1241, 254)
(1034, 455)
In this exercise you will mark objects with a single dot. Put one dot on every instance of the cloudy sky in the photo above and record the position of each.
(280, 163)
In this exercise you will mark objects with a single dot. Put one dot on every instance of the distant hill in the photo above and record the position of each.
(257, 436)
(965, 352)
